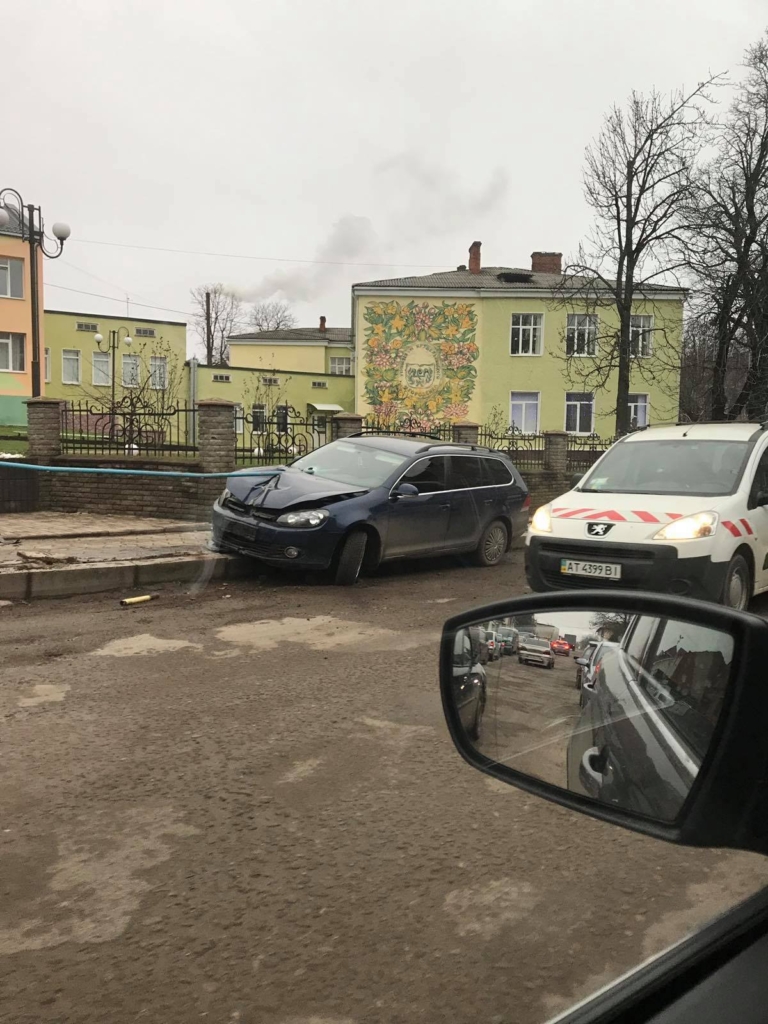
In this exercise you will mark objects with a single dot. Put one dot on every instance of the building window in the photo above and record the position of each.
(144, 332)
(11, 278)
(89, 327)
(259, 416)
(341, 366)
(524, 411)
(47, 357)
(239, 419)
(221, 378)
(101, 370)
(638, 410)
(131, 372)
(525, 338)
(270, 382)
(641, 336)
(70, 366)
(281, 419)
(158, 372)
(579, 412)
(319, 383)
(581, 335)
(13, 355)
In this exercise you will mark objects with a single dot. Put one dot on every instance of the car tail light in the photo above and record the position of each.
(527, 503)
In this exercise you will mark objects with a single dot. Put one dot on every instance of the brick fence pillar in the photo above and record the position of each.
(44, 428)
(216, 438)
(466, 432)
(345, 424)
(556, 451)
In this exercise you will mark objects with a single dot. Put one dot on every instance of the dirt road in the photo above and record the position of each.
(242, 805)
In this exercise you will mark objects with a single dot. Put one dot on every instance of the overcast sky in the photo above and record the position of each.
(345, 131)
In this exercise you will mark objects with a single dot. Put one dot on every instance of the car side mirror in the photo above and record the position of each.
(580, 661)
(405, 490)
(576, 479)
(669, 742)
(761, 498)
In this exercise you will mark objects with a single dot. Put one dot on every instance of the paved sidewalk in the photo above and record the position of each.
(35, 525)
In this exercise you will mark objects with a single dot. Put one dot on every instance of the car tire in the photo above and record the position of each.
(474, 731)
(351, 558)
(519, 661)
(493, 544)
(551, 664)
(737, 585)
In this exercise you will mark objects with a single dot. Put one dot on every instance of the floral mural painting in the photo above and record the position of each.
(418, 361)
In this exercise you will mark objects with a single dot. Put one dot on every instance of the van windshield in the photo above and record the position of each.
(678, 466)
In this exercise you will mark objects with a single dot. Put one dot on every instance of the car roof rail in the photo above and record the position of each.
(391, 433)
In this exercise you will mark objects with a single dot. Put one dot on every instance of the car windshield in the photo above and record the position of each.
(356, 464)
(678, 466)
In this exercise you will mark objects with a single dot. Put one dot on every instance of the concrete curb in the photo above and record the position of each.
(71, 580)
(192, 527)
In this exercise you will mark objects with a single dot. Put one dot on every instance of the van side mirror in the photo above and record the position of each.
(760, 498)
(576, 479)
(669, 741)
(405, 490)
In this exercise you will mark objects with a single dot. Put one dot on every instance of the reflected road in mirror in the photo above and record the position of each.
(618, 708)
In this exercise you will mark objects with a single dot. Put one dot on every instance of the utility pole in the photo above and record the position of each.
(208, 329)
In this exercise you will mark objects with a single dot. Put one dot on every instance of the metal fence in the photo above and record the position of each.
(128, 427)
(405, 427)
(583, 452)
(525, 450)
(278, 437)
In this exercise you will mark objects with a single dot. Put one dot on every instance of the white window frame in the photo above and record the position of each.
(579, 433)
(525, 403)
(101, 358)
(7, 338)
(144, 332)
(87, 326)
(638, 405)
(239, 412)
(588, 330)
(6, 262)
(270, 382)
(261, 425)
(137, 362)
(153, 362)
(47, 365)
(526, 329)
(641, 336)
(72, 352)
(346, 372)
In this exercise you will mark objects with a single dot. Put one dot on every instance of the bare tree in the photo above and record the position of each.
(727, 244)
(639, 176)
(271, 316)
(218, 313)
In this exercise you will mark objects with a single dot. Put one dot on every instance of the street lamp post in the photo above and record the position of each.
(32, 229)
(112, 346)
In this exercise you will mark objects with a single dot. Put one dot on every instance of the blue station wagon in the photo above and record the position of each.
(369, 499)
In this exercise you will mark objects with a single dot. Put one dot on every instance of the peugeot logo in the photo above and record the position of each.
(598, 529)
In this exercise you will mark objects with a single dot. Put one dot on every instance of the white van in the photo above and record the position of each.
(674, 509)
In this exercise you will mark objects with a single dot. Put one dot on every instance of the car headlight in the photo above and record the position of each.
(542, 519)
(702, 524)
(224, 495)
(308, 517)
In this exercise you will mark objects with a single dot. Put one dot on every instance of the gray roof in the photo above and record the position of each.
(492, 279)
(14, 225)
(297, 334)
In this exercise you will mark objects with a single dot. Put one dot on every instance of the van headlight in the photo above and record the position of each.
(305, 519)
(542, 519)
(702, 524)
(225, 494)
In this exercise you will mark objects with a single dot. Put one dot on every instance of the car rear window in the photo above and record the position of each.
(677, 466)
(465, 471)
(496, 471)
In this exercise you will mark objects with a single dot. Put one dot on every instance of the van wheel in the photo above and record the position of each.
(493, 544)
(737, 588)
(351, 558)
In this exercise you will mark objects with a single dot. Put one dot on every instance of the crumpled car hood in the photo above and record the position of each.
(288, 488)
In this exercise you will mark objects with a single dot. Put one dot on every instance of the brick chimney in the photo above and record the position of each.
(547, 262)
(474, 258)
(322, 323)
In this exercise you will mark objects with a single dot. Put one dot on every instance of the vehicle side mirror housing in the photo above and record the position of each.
(576, 479)
(669, 740)
(405, 490)
(760, 498)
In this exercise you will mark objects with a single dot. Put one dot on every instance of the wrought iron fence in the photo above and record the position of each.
(584, 451)
(278, 437)
(409, 427)
(129, 427)
(525, 450)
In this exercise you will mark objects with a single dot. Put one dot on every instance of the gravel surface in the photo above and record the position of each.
(241, 804)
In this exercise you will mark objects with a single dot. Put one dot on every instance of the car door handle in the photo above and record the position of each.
(448, 506)
(488, 501)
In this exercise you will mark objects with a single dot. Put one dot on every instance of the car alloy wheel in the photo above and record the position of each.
(495, 543)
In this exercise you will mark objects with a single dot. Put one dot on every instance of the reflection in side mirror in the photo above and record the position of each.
(629, 729)
(405, 490)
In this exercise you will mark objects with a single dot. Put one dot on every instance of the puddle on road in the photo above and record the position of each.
(98, 881)
(394, 732)
(143, 643)
(321, 633)
(301, 770)
(44, 693)
(485, 909)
